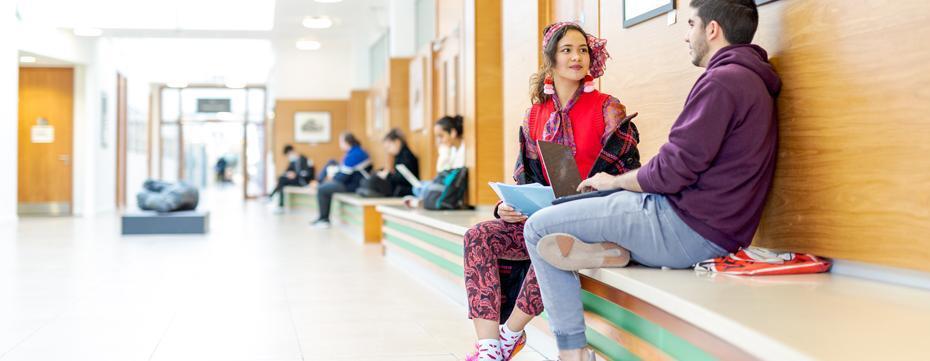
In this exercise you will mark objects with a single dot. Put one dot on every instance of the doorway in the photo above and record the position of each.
(46, 111)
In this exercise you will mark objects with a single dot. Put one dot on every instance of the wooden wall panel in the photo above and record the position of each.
(356, 115)
(483, 111)
(421, 140)
(393, 90)
(852, 172)
(373, 130)
(399, 95)
(284, 131)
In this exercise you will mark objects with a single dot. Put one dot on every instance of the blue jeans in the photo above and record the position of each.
(643, 223)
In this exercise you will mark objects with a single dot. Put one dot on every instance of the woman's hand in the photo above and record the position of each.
(509, 214)
(599, 182)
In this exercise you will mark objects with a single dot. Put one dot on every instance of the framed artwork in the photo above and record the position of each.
(378, 110)
(312, 127)
(637, 11)
(416, 94)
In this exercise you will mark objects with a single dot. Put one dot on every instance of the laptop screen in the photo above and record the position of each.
(560, 167)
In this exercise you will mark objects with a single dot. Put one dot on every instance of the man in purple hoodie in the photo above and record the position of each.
(700, 197)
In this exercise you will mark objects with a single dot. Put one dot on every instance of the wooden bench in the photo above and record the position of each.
(299, 197)
(358, 216)
(651, 314)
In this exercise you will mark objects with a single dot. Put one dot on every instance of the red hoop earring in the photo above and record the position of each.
(588, 83)
(548, 87)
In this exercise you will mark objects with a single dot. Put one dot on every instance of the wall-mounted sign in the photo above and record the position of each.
(214, 106)
(43, 134)
(637, 11)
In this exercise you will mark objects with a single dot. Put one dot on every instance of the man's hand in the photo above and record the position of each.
(603, 181)
(509, 214)
(599, 182)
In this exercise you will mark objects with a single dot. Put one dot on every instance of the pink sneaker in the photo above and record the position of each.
(474, 356)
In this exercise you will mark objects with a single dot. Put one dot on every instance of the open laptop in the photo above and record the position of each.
(560, 167)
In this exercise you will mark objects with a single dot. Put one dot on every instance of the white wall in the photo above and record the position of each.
(319, 74)
(9, 93)
(402, 19)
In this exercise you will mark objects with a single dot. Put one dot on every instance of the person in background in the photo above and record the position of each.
(220, 169)
(395, 145)
(700, 197)
(448, 132)
(299, 173)
(355, 166)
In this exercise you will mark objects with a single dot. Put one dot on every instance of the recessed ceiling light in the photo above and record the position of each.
(308, 45)
(90, 32)
(235, 85)
(317, 22)
(328, 1)
(27, 59)
(177, 85)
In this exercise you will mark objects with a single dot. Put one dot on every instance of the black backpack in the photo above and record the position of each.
(374, 187)
(447, 191)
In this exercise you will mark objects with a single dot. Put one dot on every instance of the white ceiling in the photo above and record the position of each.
(268, 19)
(198, 40)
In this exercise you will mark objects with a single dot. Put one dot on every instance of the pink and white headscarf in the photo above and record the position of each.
(558, 127)
(597, 47)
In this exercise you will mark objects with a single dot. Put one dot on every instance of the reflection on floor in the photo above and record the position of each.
(258, 287)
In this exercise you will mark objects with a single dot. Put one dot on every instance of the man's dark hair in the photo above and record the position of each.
(350, 139)
(288, 148)
(738, 18)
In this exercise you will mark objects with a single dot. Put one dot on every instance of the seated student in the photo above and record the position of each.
(566, 109)
(299, 173)
(700, 197)
(395, 145)
(448, 133)
(355, 166)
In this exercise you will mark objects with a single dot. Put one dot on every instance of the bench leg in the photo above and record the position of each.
(372, 224)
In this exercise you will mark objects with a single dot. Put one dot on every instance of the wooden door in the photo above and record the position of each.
(121, 137)
(46, 110)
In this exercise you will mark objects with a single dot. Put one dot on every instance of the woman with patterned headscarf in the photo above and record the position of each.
(566, 109)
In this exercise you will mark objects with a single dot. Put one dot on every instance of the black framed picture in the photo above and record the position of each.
(637, 11)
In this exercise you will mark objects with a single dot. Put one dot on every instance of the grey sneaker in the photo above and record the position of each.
(321, 224)
(567, 252)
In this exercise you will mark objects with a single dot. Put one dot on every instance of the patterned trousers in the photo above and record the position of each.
(485, 244)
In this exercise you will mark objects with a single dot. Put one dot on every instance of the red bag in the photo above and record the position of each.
(755, 261)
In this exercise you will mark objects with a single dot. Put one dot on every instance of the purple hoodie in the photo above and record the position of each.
(717, 166)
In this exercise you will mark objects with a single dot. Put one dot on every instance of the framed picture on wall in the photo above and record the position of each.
(416, 94)
(312, 127)
(637, 11)
(378, 110)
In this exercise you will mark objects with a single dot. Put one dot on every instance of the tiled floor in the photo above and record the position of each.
(258, 287)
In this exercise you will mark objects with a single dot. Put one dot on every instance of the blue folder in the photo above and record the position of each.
(526, 198)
